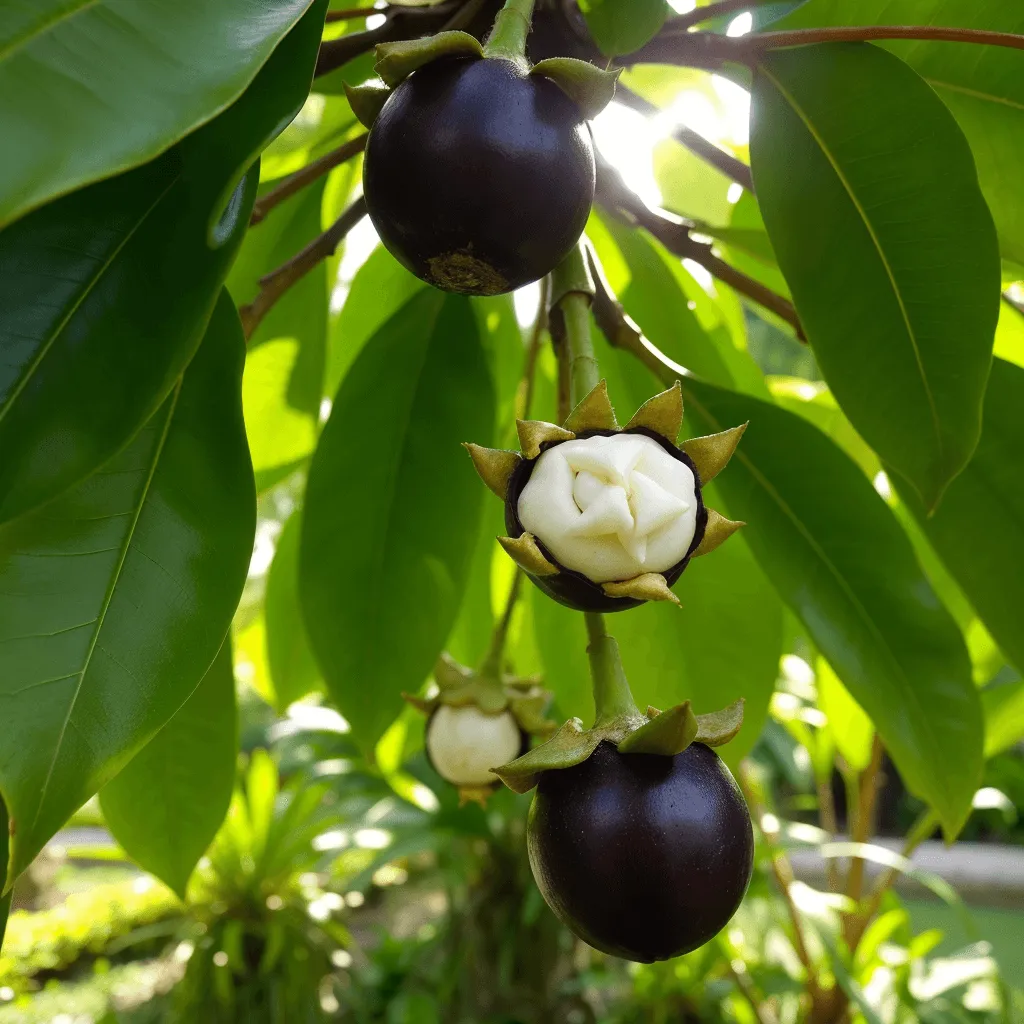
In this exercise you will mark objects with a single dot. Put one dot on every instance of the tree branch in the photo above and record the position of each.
(762, 41)
(725, 162)
(277, 282)
(356, 12)
(711, 50)
(864, 817)
(674, 234)
(306, 176)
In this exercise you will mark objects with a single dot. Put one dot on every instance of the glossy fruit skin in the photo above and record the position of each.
(479, 177)
(572, 588)
(643, 856)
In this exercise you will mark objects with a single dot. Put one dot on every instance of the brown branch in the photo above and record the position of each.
(404, 23)
(725, 162)
(864, 816)
(306, 176)
(755, 44)
(783, 872)
(827, 814)
(711, 50)
(674, 234)
(277, 282)
(355, 12)
(921, 830)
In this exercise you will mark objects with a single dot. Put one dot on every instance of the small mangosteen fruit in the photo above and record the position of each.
(643, 856)
(465, 743)
(479, 176)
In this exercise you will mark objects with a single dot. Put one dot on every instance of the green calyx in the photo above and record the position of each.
(366, 100)
(397, 61)
(490, 692)
(590, 88)
(619, 721)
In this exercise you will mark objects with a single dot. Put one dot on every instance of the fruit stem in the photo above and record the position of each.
(572, 291)
(613, 700)
(511, 27)
(491, 666)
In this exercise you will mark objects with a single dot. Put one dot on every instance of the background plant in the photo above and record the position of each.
(179, 299)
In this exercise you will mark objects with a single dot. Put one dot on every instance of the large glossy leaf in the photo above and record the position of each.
(293, 669)
(165, 806)
(1004, 716)
(978, 530)
(115, 597)
(982, 85)
(623, 27)
(284, 368)
(392, 508)
(379, 289)
(849, 144)
(106, 293)
(117, 82)
(836, 555)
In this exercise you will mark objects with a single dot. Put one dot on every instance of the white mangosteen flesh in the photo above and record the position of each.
(611, 508)
(464, 743)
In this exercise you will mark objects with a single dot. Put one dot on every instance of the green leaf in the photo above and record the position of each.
(115, 597)
(982, 85)
(116, 84)
(978, 530)
(5, 910)
(846, 142)
(379, 289)
(392, 508)
(293, 669)
(851, 729)
(837, 556)
(619, 27)
(285, 365)
(165, 806)
(106, 292)
(1004, 716)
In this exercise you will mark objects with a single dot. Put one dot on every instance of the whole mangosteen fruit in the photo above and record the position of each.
(478, 176)
(643, 856)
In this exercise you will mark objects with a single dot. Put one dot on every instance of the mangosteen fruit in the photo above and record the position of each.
(643, 856)
(479, 176)
(464, 743)
(601, 517)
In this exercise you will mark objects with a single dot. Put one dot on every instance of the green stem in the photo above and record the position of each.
(511, 27)
(491, 666)
(572, 289)
(613, 700)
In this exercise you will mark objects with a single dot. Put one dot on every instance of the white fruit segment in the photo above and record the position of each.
(465, 744)
(611, 507)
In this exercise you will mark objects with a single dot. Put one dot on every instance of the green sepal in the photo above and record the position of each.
(719, 727)
(669, 733)
(366, 100)
(397, 61)
(590, 88)
(571, 745)
(458, 687)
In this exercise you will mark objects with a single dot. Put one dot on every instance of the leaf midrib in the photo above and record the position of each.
(765, 484)
(91, 284)
(46, 25)
(876, 241)
(107, 600)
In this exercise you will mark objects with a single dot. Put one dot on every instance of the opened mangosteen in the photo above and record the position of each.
(603, 518)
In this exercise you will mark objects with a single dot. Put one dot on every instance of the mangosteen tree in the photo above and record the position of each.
(799, 355)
